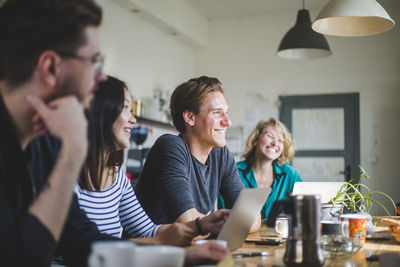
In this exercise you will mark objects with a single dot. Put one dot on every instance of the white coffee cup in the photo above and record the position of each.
(204, 241)
(112, 253)
(161, 256)
(282, 227)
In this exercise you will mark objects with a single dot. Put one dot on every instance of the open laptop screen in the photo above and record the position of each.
(326, 190)
(242, 216)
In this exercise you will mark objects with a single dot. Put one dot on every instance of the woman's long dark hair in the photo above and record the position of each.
(106, 106)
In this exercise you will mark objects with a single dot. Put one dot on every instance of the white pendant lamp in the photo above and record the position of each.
(352, 18)
(301, 42)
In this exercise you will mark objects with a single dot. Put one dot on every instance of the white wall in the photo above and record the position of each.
(142, 55)
(241, 53)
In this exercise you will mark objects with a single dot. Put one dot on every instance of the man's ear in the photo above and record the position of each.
(49, 67)
(188, 117)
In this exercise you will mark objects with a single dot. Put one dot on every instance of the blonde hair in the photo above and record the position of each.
(251, 142)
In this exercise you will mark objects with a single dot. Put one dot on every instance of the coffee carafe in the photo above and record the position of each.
(303, 247)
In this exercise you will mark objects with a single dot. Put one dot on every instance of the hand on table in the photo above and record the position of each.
(210, 252)
(176, 234)
(394, 227)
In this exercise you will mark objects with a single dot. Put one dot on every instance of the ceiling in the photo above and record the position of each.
(214, 9)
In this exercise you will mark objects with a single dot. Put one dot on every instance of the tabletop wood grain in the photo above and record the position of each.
(371, 247)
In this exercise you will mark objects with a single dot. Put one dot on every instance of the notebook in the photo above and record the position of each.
(326, 190)
(242, 216)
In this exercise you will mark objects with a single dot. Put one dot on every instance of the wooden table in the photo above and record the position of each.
(372, 247)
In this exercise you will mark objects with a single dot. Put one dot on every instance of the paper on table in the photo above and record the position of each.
(383, 234)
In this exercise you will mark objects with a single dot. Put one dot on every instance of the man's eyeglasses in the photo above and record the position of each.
(97, 61)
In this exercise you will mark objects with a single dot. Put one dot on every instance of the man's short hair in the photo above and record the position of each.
(189, 96)
(30, 27)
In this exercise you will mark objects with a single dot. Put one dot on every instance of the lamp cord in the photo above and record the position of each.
(303, 4)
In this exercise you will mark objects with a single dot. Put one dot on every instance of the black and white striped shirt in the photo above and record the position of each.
(116, 208)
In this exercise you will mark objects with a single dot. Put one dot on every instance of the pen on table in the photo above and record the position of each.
(251, 254)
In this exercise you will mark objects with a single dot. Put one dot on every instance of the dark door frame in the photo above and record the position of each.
(351, 104)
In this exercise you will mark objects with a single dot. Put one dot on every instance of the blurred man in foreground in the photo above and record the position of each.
(50, 62)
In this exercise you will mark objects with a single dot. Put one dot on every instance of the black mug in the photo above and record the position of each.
(332, 228)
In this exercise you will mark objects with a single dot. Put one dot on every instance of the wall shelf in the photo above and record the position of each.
(155, 123)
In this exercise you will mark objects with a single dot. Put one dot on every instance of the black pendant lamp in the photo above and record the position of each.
(302, 42)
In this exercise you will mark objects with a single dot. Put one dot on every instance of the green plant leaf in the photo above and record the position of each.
(350, 195)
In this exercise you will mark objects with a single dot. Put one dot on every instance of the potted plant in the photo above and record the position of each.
(355, 197)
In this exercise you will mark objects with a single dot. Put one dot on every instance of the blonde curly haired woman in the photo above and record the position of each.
(268, 149)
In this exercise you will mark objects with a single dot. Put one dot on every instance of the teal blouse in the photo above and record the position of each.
(284, 178)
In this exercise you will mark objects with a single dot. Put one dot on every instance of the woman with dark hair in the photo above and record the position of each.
(105, 193)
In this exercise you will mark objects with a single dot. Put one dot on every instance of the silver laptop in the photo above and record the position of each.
(326, 190)
(242, 216)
